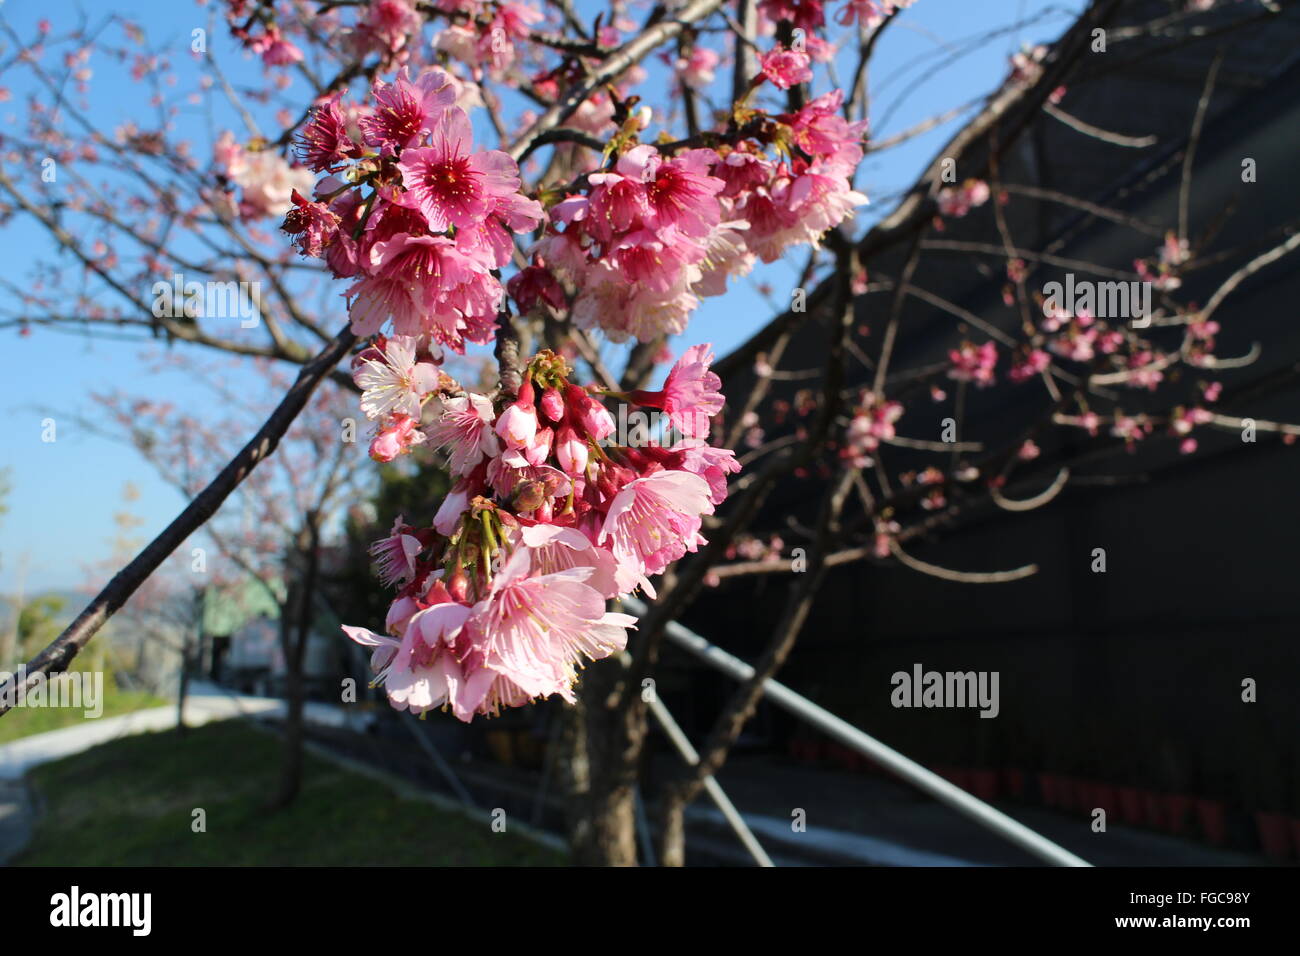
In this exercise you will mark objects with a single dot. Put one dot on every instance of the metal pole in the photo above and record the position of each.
(413, 725)
(936, 786)
(711, 786)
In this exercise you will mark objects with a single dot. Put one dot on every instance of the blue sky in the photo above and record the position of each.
(65, 493)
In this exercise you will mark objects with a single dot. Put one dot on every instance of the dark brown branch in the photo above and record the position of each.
(619, 60)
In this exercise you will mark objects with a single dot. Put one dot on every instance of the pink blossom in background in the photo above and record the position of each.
(696, 71)
(785, 68)
(971, 363)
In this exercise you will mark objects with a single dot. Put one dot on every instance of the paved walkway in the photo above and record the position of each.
(204, 703)
(873, 819)
(21, 755)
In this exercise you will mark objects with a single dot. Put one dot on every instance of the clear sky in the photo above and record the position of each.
(65, 493)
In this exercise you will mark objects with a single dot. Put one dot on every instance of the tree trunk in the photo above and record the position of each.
(672, 827)
(611, 837)
(295, 630)
(606, 741)
(291, 759)
(183, 690)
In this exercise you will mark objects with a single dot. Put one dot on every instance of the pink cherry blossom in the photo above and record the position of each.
(465, 427)
(820, 130)
(324, 142)
(972, 363)
(710, 463)
(394, 556)
(424, 673)
(406, 111)
(450, 184)
(395, 438)
(690, 395)
(313, 224)
(655, 520)
(696, 71)
(517, 425)
(536, 629)
(571, 451)
(395, 382)
(617, 204)
(786, 68)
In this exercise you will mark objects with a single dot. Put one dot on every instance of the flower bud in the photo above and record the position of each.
(518, 425)
(552, 405)
(529, 495)
(592, 416)
(570, 451)
(540, 448)
(395, 438)
(458, 585)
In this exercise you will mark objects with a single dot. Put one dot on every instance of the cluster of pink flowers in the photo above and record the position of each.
(398, 375)
(417, 217)
(660, 229)
(1029, 364)
(1184, 420)
(1173, 253)
(389, 27)
(872, 422)
(973, 363)
(1145, 369)
(870, 13)
(260, 36)
(502, 598)
(1079, 337)
(487, 43)
(1131, 428)
(697, 70)
(957, 202)
(266, 181)
(810, 15)
(931, 479)
(1199, 347)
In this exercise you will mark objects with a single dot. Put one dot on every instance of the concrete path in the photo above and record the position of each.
(204, 703)
(21, 755)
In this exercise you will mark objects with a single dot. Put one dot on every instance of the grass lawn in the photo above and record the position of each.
(25, 721)
(130, 802)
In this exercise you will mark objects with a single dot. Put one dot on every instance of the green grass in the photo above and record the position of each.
(25, 721)
(130, 803)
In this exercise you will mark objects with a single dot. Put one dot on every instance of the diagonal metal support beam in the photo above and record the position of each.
(936, 786)
(439, 762)
(711, 785)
